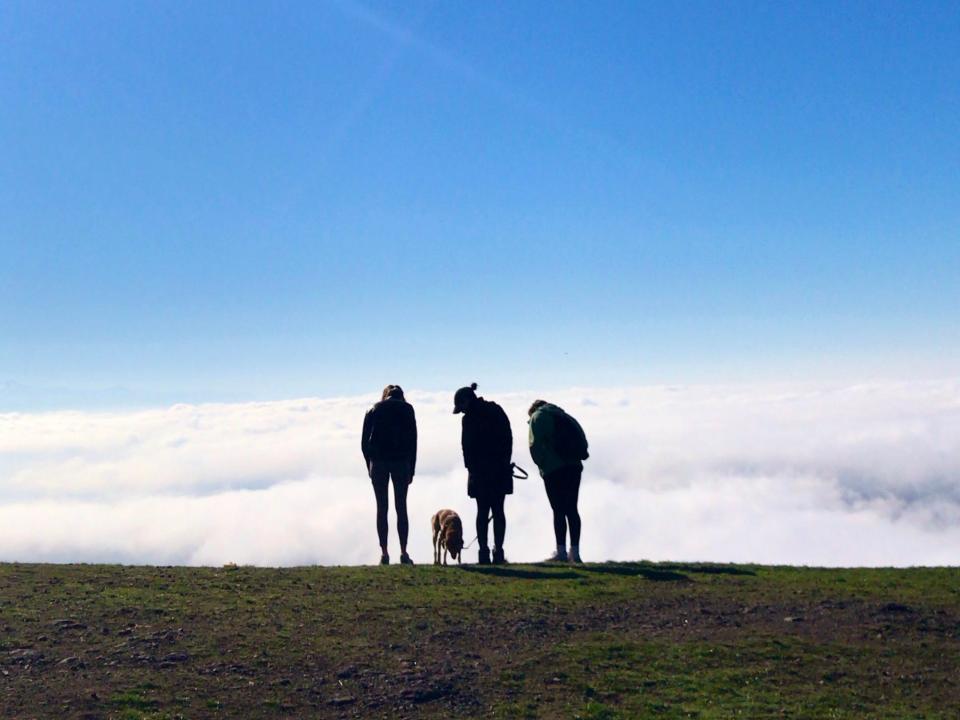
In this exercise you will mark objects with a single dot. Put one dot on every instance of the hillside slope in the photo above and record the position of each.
(591, 641)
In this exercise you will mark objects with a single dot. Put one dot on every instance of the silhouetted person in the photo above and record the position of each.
(487, 448)
(389, 446)
(558, 446)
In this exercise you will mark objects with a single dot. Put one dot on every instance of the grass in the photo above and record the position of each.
(616, 640)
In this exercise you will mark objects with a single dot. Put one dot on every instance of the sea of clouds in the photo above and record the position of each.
(804, 474)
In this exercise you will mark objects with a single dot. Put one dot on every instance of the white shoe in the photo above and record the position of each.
(558, 556)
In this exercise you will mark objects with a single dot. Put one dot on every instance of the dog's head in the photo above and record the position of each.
(454, 542)
(453, 536)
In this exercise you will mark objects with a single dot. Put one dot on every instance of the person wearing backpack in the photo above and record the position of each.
(558, 446)
(389, 446)
(487, 443)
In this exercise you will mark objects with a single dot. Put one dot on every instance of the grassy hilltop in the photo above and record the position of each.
(591, 641)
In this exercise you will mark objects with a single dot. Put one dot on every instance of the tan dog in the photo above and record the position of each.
(447, 534)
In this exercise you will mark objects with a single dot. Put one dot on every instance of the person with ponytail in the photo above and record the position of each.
(487, 443)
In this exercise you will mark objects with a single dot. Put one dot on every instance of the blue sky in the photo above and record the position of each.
(261, 200)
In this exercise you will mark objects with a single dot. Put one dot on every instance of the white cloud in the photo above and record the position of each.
(855, 475)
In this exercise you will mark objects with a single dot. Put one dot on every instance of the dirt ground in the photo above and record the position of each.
(614, 640)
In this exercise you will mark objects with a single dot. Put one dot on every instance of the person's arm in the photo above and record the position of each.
(501, 439)
(413, 442)
(507, 438)
(365, 437)
(583, 437)
(466, 443)
(541, 426)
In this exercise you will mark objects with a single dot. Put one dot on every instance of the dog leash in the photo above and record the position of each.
(514, 469)
(467, 547)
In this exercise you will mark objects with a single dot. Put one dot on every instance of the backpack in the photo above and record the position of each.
(570, 443)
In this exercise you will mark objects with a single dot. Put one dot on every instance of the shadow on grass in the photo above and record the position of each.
(520, 573)
(657, 574)
(707, 568)
(666, 572)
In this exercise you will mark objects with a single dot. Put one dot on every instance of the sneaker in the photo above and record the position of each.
(405, 559)
(558, 556)
(483, 557)
(498, 558)
(384, 559)
(575, 556)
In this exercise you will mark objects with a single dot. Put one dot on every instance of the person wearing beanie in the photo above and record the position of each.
(487, 443)
(389, 445)
(558, 446)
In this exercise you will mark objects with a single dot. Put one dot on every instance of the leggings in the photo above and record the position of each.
(563, 489)
(380, 474)
(487, 504)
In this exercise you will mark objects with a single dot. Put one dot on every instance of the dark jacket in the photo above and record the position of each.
(390, 433)
(487, 449)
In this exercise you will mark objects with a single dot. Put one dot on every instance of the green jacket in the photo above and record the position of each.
(543, 440)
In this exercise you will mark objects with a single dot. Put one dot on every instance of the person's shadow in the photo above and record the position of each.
(647, 572)
(550, 571)
(520, 573)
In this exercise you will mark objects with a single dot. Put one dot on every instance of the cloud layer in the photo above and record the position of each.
(853, 475)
